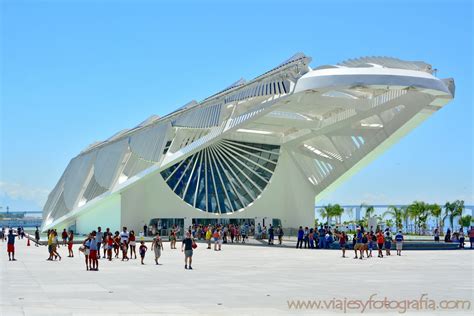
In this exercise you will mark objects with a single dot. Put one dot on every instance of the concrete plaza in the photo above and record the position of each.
(238, 280)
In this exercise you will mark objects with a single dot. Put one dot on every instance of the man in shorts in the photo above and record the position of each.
(359, 246)
(124, 235)
(99, 238)
(93, 253)
(11, 245)
(399, 242)
(187, 248)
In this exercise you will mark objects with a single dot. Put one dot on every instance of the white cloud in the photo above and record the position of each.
(17, 191)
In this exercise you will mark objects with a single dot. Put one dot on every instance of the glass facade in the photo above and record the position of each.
(223, 177)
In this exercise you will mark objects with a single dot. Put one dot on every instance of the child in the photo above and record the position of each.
(70, 243)
(142, 250)
(110, 245)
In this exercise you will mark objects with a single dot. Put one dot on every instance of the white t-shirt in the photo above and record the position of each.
(124, 236)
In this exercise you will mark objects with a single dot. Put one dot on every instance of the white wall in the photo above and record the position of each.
(105, 214)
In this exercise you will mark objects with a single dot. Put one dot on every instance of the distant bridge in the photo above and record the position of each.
(21, 212)
(20, 222)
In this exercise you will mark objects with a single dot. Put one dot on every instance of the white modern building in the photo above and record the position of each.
(257, 151)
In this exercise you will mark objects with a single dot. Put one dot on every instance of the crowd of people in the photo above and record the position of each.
(122, 245)
(230, 233)
(456, 237)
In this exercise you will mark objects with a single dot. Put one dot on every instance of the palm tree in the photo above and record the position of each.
(329, 211)
(325, 212)
(452, 210)
(337, 211)
(419, 212)
(369, 210)
(465, 221)
(397, 214)
(406, 216)
(435, 211)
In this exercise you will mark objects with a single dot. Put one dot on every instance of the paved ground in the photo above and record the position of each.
(238, 280)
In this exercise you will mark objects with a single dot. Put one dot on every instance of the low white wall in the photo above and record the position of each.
(289, 197)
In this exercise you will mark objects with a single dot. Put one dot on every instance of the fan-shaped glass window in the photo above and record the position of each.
(223, 177)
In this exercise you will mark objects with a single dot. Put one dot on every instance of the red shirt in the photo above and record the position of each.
(380, 238)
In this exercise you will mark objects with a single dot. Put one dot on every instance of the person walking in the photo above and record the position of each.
(244, 233)
(399, 242)
(142, 250)
(55, 245)
(64, 236)
(215, 236)
(311, 238)
(388, 241)
(110, 244)
(365, 242)
(86, 249)
(322, 234)
(306, 237)
(359, 246)
(157, 246)
(342, 243)
(133, 243)
(172, 238)
(93, 247)
(380, 242)
(106, 246)
(271, 235)
(299, 243)
(99, 238)
(187, 248)
(280, 235)
(50, 243)
(209, 236)
(124, 235)
(70, 243)
(11, 245)
(258, 235)
(116, 244)
(37, 237)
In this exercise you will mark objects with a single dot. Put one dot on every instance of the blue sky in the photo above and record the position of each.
(73, 72)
